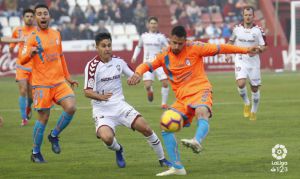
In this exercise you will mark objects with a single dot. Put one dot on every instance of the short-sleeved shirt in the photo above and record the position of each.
(152, 44)
(48, 65)
(248, 37)
(106, 78)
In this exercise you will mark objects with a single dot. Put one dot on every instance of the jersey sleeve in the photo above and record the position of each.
(150, 66)
(126, 69)
(233, 35)
(138, 48)
(14, 35)
(205, 49)
(26, 51)
(262, 37)
(89, 77)
(63, 60)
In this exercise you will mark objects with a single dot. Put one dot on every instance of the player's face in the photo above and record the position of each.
(104, 49)
(248, 16)
(42, 17)
(177, 44)
(28, 19)
(153, 26)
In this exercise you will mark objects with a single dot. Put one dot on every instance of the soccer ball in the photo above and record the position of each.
(171, 121)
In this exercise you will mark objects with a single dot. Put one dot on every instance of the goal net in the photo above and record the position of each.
(294, 48)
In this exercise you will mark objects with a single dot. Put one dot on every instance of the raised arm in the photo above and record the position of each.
(143, 68)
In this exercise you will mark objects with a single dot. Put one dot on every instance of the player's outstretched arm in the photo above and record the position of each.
(11, 40)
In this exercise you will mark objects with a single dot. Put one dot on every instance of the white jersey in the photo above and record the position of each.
(247, 37)
(152, 44)
(104, 78)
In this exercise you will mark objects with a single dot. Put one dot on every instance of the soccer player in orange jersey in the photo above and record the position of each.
(184, 66)
(49, 76)
(23, 72)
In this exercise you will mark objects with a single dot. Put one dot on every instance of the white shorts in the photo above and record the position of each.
(252, 73)
(124, 116)
(159, 72)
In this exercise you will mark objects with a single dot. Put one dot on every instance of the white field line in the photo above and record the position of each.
(147, 105)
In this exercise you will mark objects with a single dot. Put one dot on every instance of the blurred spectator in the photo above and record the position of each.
(104, 13)
(54, 11)
(11, 8)
(212, 30)
(229, 12)
(199, 31)
(140, 14)
(226, 31)
(90, 14)
(63, 7)
(86, 32)
(77, 15)
(101, 27)
(193, 12)
(127, 12)
(116, 17)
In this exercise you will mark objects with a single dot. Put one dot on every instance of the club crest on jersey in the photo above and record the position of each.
(118, 67)
(187, 62)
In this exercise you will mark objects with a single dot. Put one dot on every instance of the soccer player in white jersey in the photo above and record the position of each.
(247, 34)
(153, 42)
(103, 84)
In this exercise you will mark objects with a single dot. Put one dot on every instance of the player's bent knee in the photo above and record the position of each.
(202, 112)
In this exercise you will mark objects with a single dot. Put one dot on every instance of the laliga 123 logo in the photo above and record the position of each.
(279, 152)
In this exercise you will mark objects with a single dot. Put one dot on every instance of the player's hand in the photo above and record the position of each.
(254, 50)
(105, 96)
(228, 58)
(73, 83)
(33, 51)
(133, 60)
(134, 79)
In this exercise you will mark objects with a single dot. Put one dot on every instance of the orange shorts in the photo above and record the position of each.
(43, 97)
(23, 75)
(186, 107)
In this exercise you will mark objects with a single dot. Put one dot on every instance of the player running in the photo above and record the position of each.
(23, 72)
(184, 66)
(152, 42)
(247, 34)
(103, 85)
(49, 76)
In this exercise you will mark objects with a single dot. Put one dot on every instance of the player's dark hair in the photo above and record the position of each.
(101, 36)
(41, 6)
(179, 31)
(28, 11)
(248, 8)
(152, 18)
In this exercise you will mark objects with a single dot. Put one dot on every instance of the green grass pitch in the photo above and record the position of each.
(234, 148)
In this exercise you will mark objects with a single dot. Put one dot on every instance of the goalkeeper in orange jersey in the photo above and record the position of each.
(49, 81)
(184, 66)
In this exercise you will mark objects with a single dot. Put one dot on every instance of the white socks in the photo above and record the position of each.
(115, 146)
(155, 143)
(255, 101)
(244, 95)
(164, 95)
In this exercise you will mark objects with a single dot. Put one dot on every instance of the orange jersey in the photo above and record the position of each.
(185, 70)
(22, 32)
(48, 65)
